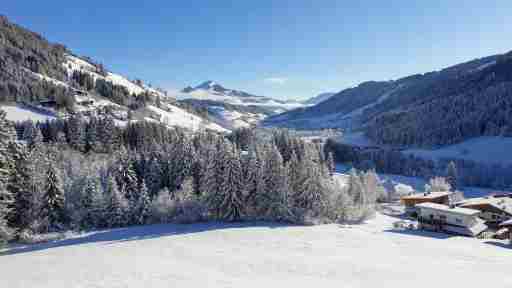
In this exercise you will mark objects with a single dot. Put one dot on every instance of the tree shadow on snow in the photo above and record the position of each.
(138, 233)
(499, 244)
(420, 233)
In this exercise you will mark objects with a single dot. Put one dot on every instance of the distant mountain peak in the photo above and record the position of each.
(216, 88)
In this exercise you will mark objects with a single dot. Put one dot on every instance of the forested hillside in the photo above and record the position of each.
(42, 77)
(437, 108)
(23, 52)
(449, 110)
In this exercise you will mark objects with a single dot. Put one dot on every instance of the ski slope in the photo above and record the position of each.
(261, 255)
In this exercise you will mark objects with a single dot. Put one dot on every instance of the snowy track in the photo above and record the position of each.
(266, 255)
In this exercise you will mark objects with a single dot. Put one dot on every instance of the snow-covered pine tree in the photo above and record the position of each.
(76, 133)
(7, 134)
(273, 203)
(438, 184)
(126, 177)
(214, 198)
(250, 166)
(20, 185)
(5, 201)
(196, 174)
(207, 182)
(331, 165)
(107, 134)
(231, 202)
(142, 207)
(116, 204)
(179, 164)
(452, 176)
(92, 204)
(310, 191)
(53, 200)
(153, 176)
(31, 134)
(91, 136)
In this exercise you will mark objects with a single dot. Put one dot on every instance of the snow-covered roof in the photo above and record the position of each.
(506, 223)
(445, 208)
(430, 195)
(500, 203)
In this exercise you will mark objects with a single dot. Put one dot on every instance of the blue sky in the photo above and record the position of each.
(279, 48)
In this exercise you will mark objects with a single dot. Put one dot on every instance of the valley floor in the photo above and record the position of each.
(260, 255)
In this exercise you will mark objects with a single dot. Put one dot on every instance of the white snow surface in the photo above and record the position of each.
(260, 255)
(74, 63)
(181, 118)
(18, 114)
(234, 119)
(235, 100)
(485, 149)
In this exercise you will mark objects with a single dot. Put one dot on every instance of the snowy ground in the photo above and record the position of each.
(260, 255)
(18, 113)
(485, 149)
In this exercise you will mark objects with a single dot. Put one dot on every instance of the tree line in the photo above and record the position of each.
(81, 173)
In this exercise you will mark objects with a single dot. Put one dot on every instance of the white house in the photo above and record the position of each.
(450, 219)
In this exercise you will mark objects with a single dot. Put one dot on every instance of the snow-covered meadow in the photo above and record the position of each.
(260, 255)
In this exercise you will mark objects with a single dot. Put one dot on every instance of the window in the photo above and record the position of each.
(458, 220)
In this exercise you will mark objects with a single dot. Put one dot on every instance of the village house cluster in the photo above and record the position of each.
(484, 217)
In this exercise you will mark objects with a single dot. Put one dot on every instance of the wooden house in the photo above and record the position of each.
(411, 201)
(450, 219)
(494, 209)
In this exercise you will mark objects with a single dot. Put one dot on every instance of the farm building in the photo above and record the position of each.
(411, 201)
(494, 209)
(508, 226)
(450, 219)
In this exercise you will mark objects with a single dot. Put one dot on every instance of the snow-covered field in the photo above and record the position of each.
(261, 255)
(485, 149)
(18, 113)
(181, 118)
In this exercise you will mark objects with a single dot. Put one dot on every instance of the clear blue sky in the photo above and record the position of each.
(279, 48)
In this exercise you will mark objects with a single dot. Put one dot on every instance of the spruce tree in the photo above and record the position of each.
(53, 199)
(273, 203)
(92, 205)
(230, 192)
(116, 204)
(143, 205)
(77, 133)
(7, 135)
(5, 201)
(21, 186)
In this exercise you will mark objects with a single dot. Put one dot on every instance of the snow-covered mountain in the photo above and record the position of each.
(430, 109)
(233, 108)
(50, 81)
(319, 98)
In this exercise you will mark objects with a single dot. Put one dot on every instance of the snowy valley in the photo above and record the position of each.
(108, 181)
